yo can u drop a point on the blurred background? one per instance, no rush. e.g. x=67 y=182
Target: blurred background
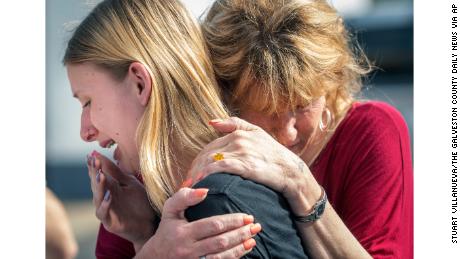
x=384 y=29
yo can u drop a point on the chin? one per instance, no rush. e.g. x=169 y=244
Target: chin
x=297 y=149
x=123 y=168
x=300 y=150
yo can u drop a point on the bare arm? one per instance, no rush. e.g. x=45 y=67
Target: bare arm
x=327 y=237
x=126 y=212
x=253 y=154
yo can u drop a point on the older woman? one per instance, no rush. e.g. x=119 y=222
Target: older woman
x=141 y=72
x=288 y=67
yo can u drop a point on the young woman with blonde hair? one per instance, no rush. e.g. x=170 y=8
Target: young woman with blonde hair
x=141 y=71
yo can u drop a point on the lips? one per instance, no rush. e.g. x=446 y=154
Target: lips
x=107 y=143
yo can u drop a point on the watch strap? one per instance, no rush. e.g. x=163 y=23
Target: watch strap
x=317 y=211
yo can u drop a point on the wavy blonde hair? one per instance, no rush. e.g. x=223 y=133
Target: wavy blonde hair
x=273 y=53
x=164 y=36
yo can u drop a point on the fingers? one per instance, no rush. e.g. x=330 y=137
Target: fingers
x=228 y=240
x=90 y=163
x=102 y=212
x=94 y=175
x=231 y=124
x=110 y=168
x=227 y=142
x=104 y=186
x=234 y=252
x=100 y=185
x=174 y=207
x=198 y=170
x=228 y=165
x=215 y=225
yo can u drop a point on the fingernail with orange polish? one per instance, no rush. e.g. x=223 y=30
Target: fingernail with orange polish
x=201 y=193
x=187 y=183
x=256 y=228
x=215 y=121
x=248 y=219
x=249 y=244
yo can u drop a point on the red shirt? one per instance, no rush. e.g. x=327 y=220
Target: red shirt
x=111 y=246
x=366 y=170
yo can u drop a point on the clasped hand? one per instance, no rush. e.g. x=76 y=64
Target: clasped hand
x=123 y=208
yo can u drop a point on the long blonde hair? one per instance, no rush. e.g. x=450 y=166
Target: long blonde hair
x=165 y=38
x=272 y=53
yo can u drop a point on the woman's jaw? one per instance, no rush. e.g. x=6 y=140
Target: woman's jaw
x=128 y=164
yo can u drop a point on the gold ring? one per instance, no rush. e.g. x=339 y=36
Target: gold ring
x=218 y=156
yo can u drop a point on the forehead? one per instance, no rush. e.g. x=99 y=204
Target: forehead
x=267 y=108
x=86 y=75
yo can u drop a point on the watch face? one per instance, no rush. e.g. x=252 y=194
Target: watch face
x=320 y=209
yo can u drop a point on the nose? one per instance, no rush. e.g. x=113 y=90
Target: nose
x=286 y=131
x=87 y=131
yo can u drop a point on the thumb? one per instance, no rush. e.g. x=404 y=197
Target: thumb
x=231 y=124
x=176 y=205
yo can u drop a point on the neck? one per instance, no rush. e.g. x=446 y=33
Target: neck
x=316 y=146
x=322 y=138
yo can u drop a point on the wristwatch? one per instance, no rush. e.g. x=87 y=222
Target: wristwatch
x=317 y=211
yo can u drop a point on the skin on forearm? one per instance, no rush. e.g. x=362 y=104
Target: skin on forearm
x=150 y=232
x=146 y=250
x=328 y=237
x=138 y=246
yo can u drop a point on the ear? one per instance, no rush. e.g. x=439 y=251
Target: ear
x=141 y=80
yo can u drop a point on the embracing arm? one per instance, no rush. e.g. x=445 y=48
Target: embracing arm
x=253 y=154
x=369 y=218
x=124 y=210
x=221 y=235
x=327 y=237
x=229 y=194
x=371 y=182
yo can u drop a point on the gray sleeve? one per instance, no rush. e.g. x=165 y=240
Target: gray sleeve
x=230 y=194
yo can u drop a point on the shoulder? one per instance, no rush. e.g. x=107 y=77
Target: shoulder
x=219 y=183
x=230 y=194
x=373 y=119
x=372 y=134
x=375 y=113
x=232 y=189
x=109 y=245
